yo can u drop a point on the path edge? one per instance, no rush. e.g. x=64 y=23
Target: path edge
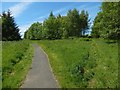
x=50 y=67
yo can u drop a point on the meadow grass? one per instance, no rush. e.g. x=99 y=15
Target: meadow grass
x=0 y=65
x=79 y=63
x=16 y=61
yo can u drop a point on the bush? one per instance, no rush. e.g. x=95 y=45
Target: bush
x=113 y=36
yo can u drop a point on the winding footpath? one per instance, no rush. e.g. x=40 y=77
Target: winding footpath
x=40 y=74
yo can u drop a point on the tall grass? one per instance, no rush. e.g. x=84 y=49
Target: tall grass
x=0 y=64
x=83 y=63
x=17 y=57
x=106 y=72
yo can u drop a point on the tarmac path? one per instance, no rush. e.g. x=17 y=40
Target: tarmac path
x=40 y=74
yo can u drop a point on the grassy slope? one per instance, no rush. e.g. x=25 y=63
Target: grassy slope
x=0 y=65
x=107 y=65
x=98 y=59
x=17 y=57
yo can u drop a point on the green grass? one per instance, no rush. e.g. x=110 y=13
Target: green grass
x=76 y=63
x=16 y=61
x=0 y=65
x=83 y=62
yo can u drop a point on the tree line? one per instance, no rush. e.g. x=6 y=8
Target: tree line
x=74 y=24
x=106 y=25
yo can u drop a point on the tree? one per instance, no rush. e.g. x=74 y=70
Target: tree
x=65 y=27
x=0 y=28
x=52 y=27
x=73 y=22
x=59 y=16
x=77 y=23
x=34 y=32
x=108 y=20
x=84 y=21
x=49 y=27
x=97 y=26
x=25 y=34
x=59 y=30
x=10 y=30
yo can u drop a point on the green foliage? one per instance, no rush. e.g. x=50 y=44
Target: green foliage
x=10 y=30
x=107 y=23
x=16 y=61
x=59 y=27
x=52 y=27
x=0 y=28
x=0 y=64
x=34 y=32
x=64 y=27
x=97 y=26
x=78 y=63
x=73 y=22
x=84 y=21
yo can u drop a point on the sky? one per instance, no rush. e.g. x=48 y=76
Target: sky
x=26 y=13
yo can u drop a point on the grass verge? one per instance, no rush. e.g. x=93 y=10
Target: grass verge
x=0 y=65
x=17 y=58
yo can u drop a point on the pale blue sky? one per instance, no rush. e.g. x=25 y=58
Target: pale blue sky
x=26 y=13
